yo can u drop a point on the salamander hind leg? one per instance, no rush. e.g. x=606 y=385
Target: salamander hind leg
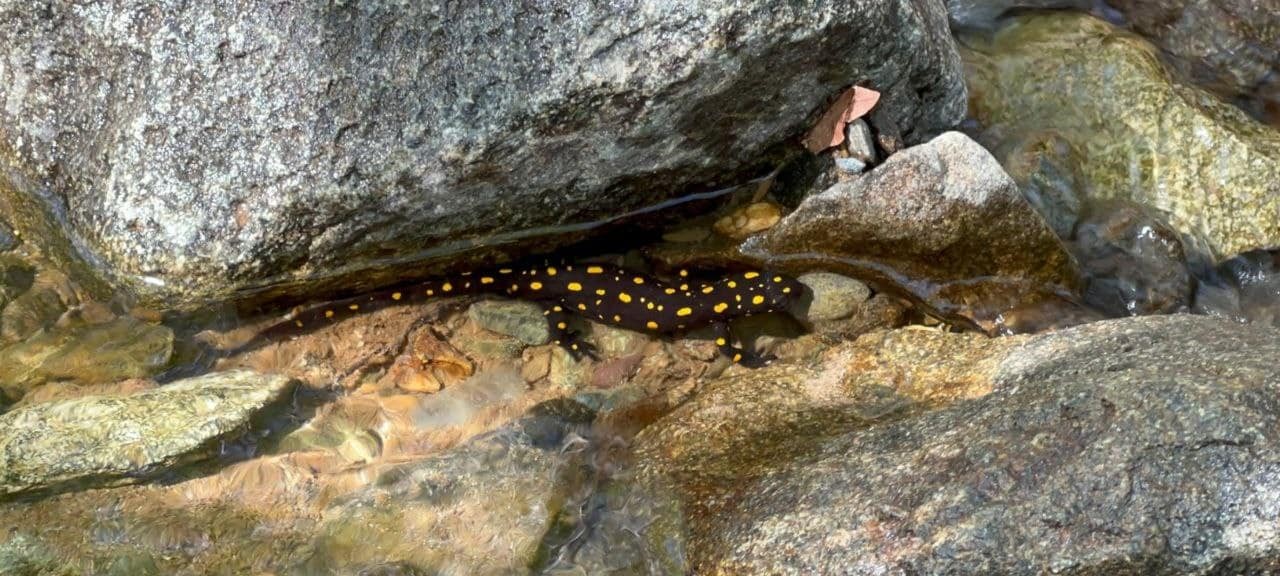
x=569 y=339
x=748 y=358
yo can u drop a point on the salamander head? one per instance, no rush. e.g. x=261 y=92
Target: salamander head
x=781 y=291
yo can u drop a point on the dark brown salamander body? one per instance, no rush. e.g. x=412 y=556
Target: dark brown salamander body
x=603 y=293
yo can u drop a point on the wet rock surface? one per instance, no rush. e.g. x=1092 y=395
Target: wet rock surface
x=1134 y=263
x=1244 y=288
x=1136 y=445
x=96 y=440
x=940 y=222
x=1231 y=46
x=1105 y=94
x=263 y=143
x=92 y=354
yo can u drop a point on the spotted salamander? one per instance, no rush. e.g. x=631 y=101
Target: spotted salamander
x=603 y=293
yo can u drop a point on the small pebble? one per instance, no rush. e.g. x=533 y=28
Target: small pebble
x=859 y=142
x=749 y=220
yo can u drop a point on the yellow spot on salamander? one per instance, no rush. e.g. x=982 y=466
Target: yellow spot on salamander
x=757 y=300
x=617 y=318
x=638 y=280
x=659 y=307
x=684 y=287
x=777 y=278
x=551 y=271
x=721 y=307
x=328 y=313
x=354 y=306
x=574 y=346
x=298 y=323
x=574 y=286
x=396 y=295
x=750 y=275
x=623 y=296
x=561 y=325
x=486 y=280
x=599 y=291
x=431 y=292
x=595 y=270
x=684 y=311
x=670 y=290
x=651 y=325
x=504 y=270
x=737 y=297
x=733 y=284
x=683 y=272
x=707 y=289
x=598 y=303
x=558 y=309
x=737 y=358
x=786 y=290
x=446 y=287
x=582 y=306
x=535 y=285
x=720 y=342
x=649 y=305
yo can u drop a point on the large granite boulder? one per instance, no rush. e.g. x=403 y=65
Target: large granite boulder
x=1144 y=445
x=201 y=151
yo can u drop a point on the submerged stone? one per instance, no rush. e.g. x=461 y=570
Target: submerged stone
x=93 y=354
x=98 y=440
x=1135 y=135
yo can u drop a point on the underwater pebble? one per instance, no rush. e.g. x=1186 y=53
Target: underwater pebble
x=834 y=296
x=116 y=439
x=749 y=220
x=521 y=320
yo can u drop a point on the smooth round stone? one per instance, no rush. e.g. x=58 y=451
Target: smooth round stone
x=834 y=296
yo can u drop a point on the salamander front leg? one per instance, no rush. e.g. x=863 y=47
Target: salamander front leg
x=748 y=358
x=570 y=340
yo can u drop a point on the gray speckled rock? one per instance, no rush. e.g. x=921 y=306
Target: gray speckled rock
x=1135 y=446
x=1134 y=134
x=201 y=150
x=109 y=439
x=940 y=222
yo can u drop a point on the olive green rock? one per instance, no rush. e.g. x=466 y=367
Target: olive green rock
x=97 y=440
x=521 y=320
x=1137 y=134
x=99 y=353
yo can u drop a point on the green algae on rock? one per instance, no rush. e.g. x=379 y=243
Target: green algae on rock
x=92 y=354
x=1137 y=135
x=97 y=440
